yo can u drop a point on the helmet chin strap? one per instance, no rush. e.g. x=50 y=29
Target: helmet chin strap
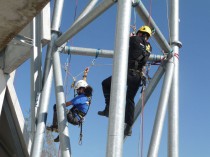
x=145 y=35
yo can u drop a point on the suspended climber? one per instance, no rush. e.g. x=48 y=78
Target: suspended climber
x=80 y=105
x=139 y=52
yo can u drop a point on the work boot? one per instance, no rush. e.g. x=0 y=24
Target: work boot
x=52 y=128
x=105 y=112
x=127 y=130
x=57 y=139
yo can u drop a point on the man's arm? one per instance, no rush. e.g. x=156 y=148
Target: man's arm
x=85 y=74
x=68 y=103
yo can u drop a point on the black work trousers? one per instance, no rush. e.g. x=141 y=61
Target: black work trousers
x=133 y=84
x=70 y=117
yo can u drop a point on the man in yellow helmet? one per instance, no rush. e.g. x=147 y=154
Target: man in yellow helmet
x=139 y=52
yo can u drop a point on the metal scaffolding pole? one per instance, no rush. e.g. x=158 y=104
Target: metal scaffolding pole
x=119 y=79
x=173 y=114
x=33 y=77
x=84 y=21
x=144 y=14
x=102 y=53
x=47 y=82
x=161 y=111
x=61 y=107
x=36 y=73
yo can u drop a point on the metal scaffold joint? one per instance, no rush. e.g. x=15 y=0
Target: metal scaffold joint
x=177 y=43
x=134 y=4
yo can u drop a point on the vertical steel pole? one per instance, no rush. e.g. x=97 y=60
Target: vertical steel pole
x=33 y=77
x=39 y=30
x=36 y=73
x=119 y=79
x=161 y=111
x=47 y=83
x=61 y=107
x=173 y=122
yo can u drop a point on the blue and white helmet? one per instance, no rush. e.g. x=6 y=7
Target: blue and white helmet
x=80 y=83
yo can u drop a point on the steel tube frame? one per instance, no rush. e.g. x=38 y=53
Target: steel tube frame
x=61 y=107
x=102 y=53
x=144 y=14
x=119 y=81
x=36 y=73
x=47 y=83
x=173 y=114
x=33 y=77
x=84 y=21
x=161 y=111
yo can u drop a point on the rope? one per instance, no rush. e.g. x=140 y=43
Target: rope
x=81 y=135
x=150 y=12
x=67 y=64
x=141 y=136
x=67 y=71
x=134 y=19
x=102 y=64
x=92 y=64
x=75 y=10
x=142 y=125
x=142 y=131
x=167 y=13
x=176 y=55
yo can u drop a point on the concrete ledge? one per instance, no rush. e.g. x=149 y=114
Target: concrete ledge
x=15 y=15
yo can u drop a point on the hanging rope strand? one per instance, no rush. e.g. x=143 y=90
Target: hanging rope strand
x=66 y=82
x=150 y=12
x=141 y=134
x=142 y=125
x=167 y=13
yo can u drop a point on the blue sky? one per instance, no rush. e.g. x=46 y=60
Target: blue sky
x=194 y=120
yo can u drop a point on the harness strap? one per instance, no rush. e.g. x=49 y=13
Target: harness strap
x=80 y=135
x=82 y=115
x=136 y=71
x=136 y=61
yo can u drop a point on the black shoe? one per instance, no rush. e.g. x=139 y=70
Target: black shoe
x=103 y=113
x=57 y=139
x=128 y=130
x=53 y=128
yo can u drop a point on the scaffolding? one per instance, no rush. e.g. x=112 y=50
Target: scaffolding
x=170 y=67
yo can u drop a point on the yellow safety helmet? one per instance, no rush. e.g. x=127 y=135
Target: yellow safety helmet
x=145 y=29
